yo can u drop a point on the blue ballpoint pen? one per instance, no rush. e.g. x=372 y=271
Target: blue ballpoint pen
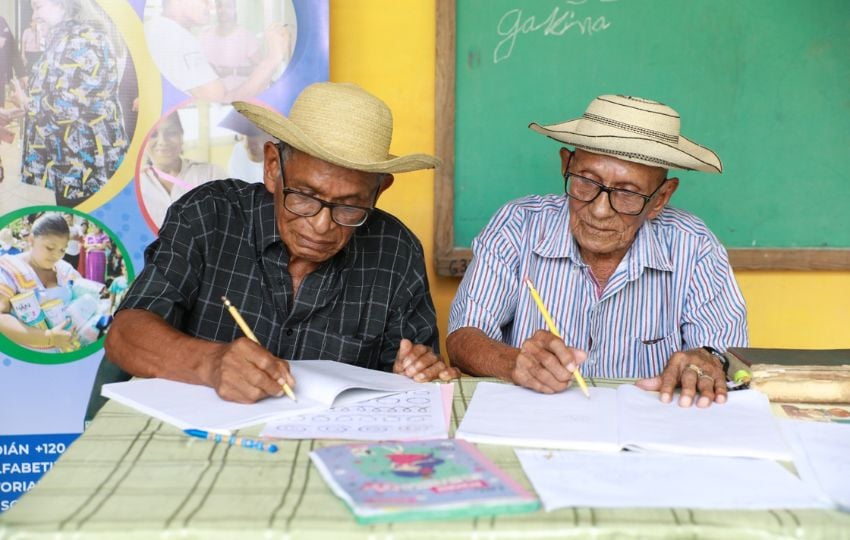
x=232 y=440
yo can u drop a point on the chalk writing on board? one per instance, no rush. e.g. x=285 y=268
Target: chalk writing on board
x=559 y=22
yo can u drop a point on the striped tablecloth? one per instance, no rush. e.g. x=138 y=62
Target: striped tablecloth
x=132 y=477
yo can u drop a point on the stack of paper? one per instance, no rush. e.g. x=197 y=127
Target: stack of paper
x=643 y=480
x=625 y=417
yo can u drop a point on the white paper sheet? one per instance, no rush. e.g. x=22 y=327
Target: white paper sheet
x=515 y=416
x=641 y=480
x=319 y=384
x=822 y=456
x=412 y=415
x=744 y=426
x=626 y=417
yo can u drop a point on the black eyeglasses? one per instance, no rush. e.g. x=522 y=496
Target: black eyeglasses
x=622 y=201
x=305 y=205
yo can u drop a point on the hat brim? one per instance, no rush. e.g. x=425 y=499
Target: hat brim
x=686 y=154
x=287 y=131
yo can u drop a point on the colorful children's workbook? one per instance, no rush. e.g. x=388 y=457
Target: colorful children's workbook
x=403 y=481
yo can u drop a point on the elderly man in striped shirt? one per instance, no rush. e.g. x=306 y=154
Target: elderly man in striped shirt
x=637 y=289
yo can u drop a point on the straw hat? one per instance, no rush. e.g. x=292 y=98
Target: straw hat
x=340 y=123
x=633 y=129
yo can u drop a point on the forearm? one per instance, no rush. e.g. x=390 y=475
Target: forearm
x=473 y=352
x=23 y=334
x=256 y=82
x=144 y=344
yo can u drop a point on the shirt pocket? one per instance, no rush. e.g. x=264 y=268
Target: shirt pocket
x=653 y=352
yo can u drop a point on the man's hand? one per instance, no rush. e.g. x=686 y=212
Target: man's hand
x=694 y=370
x=246 y=372
x=419 y=363
x=545 y=363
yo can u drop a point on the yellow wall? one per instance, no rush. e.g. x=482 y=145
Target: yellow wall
x=388 y=47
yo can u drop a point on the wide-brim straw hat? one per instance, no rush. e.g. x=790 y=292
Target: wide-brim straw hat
x=340 y=123
x=633 y=129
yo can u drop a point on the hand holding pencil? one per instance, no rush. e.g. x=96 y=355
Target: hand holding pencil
x=562 y=353
x=254 y=366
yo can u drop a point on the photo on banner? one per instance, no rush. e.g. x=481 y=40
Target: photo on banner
x=89 y=92
x=193 y=144
x=62 y=275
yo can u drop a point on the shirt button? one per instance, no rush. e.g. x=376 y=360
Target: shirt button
x=289 y=332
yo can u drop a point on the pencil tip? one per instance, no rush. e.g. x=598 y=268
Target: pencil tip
x=226 y=301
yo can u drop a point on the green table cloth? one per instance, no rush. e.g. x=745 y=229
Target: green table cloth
x=130 y=476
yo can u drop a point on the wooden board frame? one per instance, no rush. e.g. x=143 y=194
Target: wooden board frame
x=452 y=260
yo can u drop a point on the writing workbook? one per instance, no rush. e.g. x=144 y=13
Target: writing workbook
x=619 y=418
x=404 y=481
x=319 y=385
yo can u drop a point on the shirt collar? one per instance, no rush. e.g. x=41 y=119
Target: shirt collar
x=265 y=229
x=556 y=242
x=646 y=251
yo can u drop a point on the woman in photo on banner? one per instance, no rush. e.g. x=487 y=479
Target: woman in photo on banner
x=38 y=276
x=166 y=175
x=74 y=138
x=45 y=304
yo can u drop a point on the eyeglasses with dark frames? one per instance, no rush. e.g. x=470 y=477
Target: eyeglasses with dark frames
x=622 y=201
x=304 y=205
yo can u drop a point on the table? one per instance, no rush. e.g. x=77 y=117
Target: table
x=130 y=476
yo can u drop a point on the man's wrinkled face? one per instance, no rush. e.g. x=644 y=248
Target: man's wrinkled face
x=596 y=226
x=317 y=238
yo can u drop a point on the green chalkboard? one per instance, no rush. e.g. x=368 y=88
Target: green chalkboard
x=765 y=83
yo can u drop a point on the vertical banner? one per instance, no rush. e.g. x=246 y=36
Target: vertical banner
x=109 y=111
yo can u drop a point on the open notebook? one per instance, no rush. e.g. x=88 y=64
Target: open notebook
x=319 y=384
x=622 y=418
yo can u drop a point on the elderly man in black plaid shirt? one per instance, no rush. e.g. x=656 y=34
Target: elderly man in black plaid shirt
x=315 y=269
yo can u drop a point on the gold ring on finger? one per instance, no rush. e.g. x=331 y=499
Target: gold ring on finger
x=698 y=370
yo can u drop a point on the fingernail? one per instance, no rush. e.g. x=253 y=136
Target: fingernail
x=571 y=367
x=665 y=397
x=420 y=376
x=703 y=402
x=721 y=398
x=281 y=381
x=279 y=393
x=685 y=401
x=410 y=372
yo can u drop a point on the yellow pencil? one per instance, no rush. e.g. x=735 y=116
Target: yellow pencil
x=551 y=324
x=250 y=335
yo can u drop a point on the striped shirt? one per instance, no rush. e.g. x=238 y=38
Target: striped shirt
x=674 y=290
x=222 y=239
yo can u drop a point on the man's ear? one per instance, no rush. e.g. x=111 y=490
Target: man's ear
x=658 y=204
x=566 y=156
x=271 y=166
x=386 y=182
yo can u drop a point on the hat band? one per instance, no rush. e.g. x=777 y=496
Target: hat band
x=631 y=156
x=632 y=128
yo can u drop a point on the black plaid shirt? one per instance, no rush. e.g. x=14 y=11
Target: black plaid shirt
x=222 y=239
